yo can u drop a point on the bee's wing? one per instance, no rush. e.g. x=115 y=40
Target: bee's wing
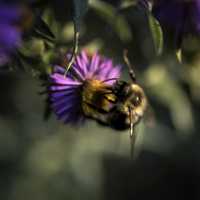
x=132 y=133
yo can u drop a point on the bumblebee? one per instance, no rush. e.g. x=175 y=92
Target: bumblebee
x=120 y=106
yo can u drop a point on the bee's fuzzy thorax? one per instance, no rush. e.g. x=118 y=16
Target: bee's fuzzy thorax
x=97 y=97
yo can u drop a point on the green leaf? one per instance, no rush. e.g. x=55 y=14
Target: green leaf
x=108 y=13
x=80 y=9
x=42 y=30
x=157 y=34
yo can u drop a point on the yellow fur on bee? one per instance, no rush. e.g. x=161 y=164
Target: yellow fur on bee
x=96 y=95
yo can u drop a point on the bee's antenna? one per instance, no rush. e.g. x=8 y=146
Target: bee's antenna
x=75 y=50
x=110 y=79
x=126 y=60
x=131 y=134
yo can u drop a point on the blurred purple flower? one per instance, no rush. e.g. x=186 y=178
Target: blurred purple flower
x=10 y=35
x=181 y=16
x=65 y=92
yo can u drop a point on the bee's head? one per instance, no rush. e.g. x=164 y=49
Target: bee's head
x=133 y=103
x=136 y=100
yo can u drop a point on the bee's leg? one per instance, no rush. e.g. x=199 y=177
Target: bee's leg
x=131 y=121
x=75 y=50
x=130 y=67
x=132 y=135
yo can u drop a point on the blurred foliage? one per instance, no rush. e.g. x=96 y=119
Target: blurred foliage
x=48 y=160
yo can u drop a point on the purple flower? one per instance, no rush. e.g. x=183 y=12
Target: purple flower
x=180 y=16
x=65 y=92
x=195 y=11
x=10 y=35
